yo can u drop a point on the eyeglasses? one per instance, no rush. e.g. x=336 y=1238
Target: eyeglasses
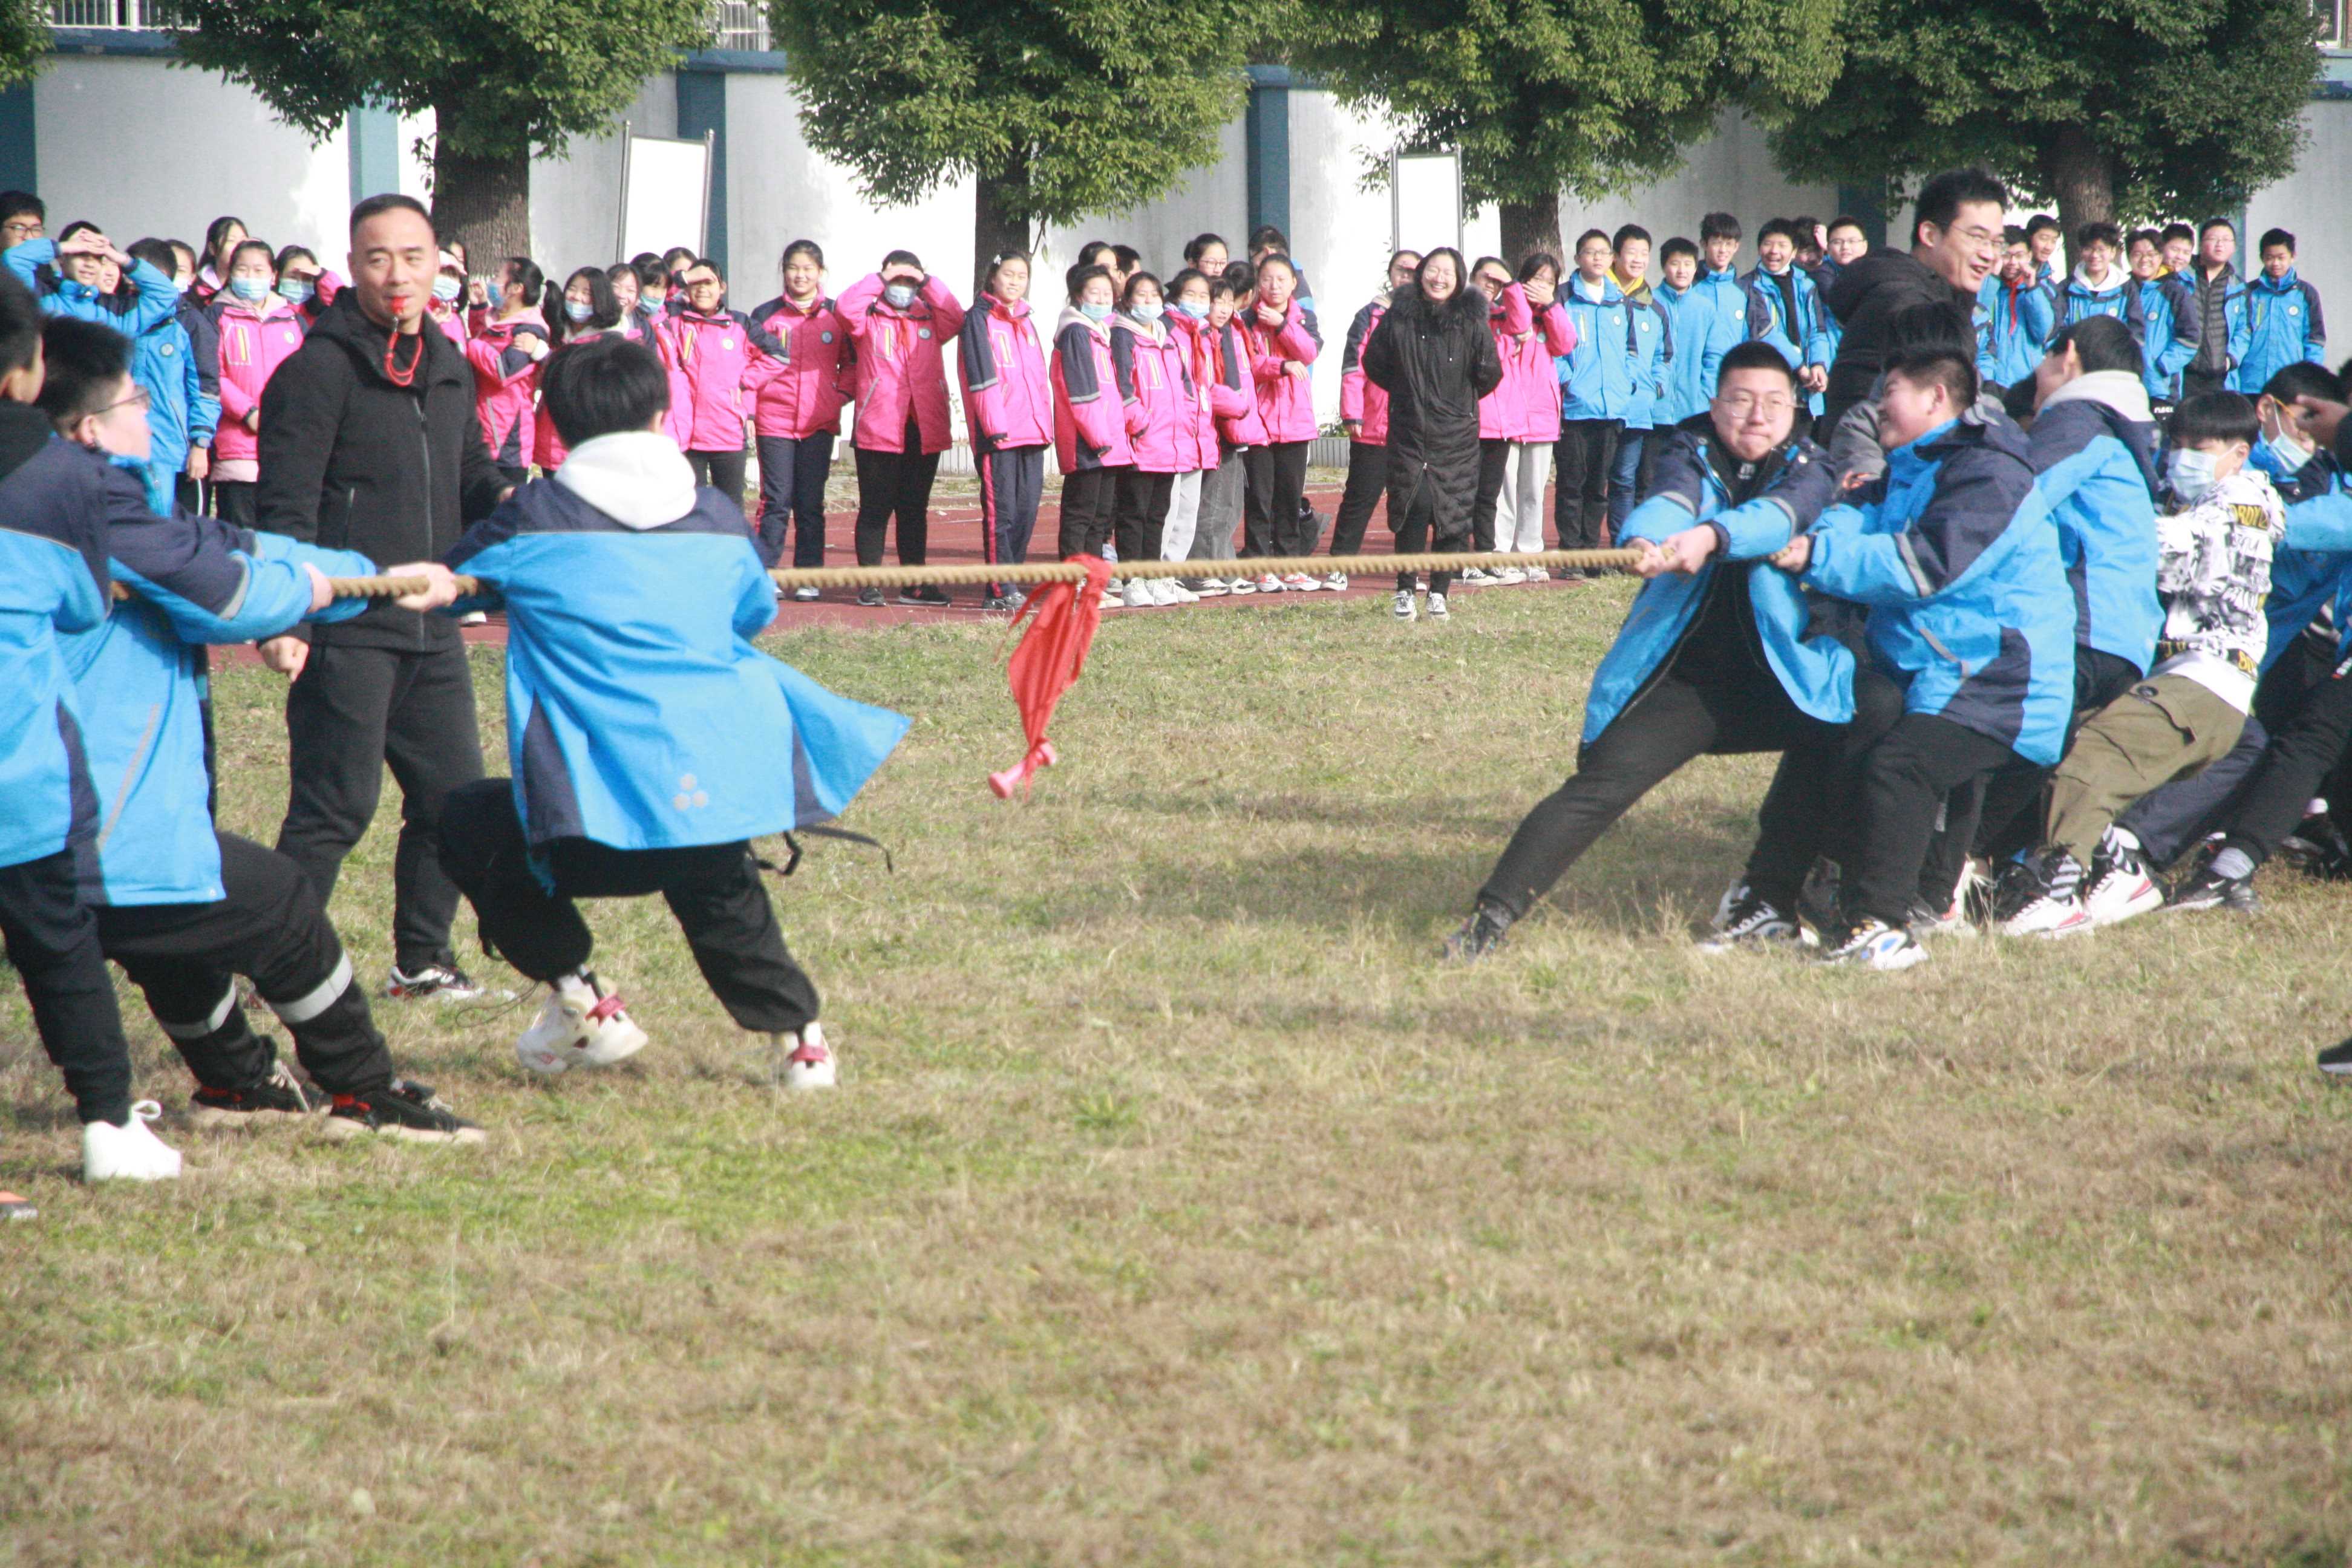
x=1983 y=238
x=1744 y=404
x=137 y=399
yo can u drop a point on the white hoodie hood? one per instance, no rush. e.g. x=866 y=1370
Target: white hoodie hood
x=637 y=478
x=2118 y=389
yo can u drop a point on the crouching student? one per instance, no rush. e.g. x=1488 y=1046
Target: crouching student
x=2214 y=571
x=650 y=741
x=182 y=907
x=1714 y=659
x=1952 y=550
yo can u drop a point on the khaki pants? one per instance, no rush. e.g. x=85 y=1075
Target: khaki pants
x=2160 y=730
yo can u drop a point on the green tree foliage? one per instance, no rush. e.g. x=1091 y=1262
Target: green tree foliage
x=24 y=40
x=503 y=78
x=2112 y=109
x=1594 y=96
x=1056 y=108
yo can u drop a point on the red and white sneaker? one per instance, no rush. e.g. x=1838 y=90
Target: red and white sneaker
x=581 y=1025
x=810 y=1066
x=1300 y=583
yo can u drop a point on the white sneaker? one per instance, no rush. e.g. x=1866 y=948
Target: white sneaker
x=1404 y=610
x=1300 y=583
x=1475 y=577
x=1510 y=574
x=1237 y=586
x=1438 y=611
x=129 y=1153
x=1177 y=593
x=811 y=1064
x=1213 y=588
x=2124 y=891
x=1337 y=582
x=1112 y=599
x=1537 y=574
x=1270 y=583
x=1138 y=594
x=580 y=1025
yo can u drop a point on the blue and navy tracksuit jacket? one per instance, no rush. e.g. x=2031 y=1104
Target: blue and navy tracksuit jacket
x=2077 y=301
x=1652 y=343
x=1692 y=482
x=2170 y=309
x=1953 y=549
x=1596 y=377
x=2013 y=328
x=1689 y=322
x=2283 y=325
x=2094 y=454
x=158 y=300
x=1799 y=333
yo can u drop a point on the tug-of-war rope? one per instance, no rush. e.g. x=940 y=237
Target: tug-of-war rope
x=1064 y=617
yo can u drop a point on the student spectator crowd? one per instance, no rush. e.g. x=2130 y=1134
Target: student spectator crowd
x=2037 y=582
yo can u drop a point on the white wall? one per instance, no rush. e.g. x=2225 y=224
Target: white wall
x=1732 y=174
x=2310 y=204
x=575 y=199
x=1215 y=200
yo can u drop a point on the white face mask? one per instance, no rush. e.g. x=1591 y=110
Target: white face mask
x=2288 y=454
x=2193 y=475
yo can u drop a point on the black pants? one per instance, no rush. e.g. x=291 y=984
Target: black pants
x=519 y=473
x=1139 y=512
x=52 y=941
x=238 y=501
x=1011 y=487
x=1270 y=519
x=722 y=471
x=1672 y=722
x=270 y=929
x=354 y=710
x=1906 y=778
x=713 y=891
x=1089 y=500
x=193 y=495
x=2305 y=747
x=1580 y=500
x=1413 y=510
x=899 y=484
x=1368 y=475
x=1493 y=457
x=1998 y=817
x=791 y=492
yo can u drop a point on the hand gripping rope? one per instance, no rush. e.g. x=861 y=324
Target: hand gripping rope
x=1064 y=617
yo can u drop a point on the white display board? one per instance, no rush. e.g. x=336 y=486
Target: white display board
x=665 y=193
x=1424 y=200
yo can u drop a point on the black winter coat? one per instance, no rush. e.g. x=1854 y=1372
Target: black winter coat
x=350 y=460
x=1864 y=298
x=1435 y=362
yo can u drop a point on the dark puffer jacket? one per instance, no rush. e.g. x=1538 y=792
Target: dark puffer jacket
x=1436 y=361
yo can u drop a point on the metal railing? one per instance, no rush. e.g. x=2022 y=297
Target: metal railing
x=739 y=25
x=123 y=15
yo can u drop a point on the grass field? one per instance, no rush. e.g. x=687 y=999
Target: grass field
x=1176 y=1208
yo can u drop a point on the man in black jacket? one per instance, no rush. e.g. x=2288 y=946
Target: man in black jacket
x=368 y=442
x=1956 y=239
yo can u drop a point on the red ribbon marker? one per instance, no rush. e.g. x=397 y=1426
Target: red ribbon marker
x=1063 y=618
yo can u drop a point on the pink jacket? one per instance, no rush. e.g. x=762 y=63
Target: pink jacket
x=254 y=341
x=714 y=356
x=1361 y=400
x=1210 y=396
x=506 y=386
x=1284 y=401
x=547 y=448
x=1008 y=401
x=900 y=368
x=799 y=391
x=1089 y=424
x=1155 y=387
x=1501 y=412
x=1529 y=375
x=1246 y=426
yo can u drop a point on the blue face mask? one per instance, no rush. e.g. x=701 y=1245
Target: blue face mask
x=2284 y=456
x=900 y=295
x=295 y=291
x=1094 y=313
x=1198 y=312
x=252 y=290
x=445 y=289
x=1149 y=312
x=579 y=309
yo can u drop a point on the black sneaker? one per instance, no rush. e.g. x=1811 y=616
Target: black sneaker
x=2209 y=890
x=1746 y=918
x=400 y=1109
x=1479 y=935
x=441 y=982
x=1000 y=604
x=870 y=598
x=2336 y=1060
x=274 y=1100
x=924 y=594
x=2317 y=848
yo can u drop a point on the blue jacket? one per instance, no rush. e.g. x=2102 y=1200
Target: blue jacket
x=1802 y=338
x=181 y=412
x=2013 y=328
x=1817 y=672
x=1689 y=325
x=1653 y=345
x=2283 y=325
x=2078 y=300
x=1596 y=377
x=53 y=582
x=158 y=300
x=1825 y=277
x=140 y=681
x=2094 y=456
x=2173 y=332
x=1953 y=551
x=1723 y=304
x=638 y=713
x=2311 y=568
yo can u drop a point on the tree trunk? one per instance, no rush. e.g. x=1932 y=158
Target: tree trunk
x=1530 y=227
x=2082 y=177
x=1000 y=217
x=482 y=202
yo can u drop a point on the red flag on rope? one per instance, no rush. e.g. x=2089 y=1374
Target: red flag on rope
x=1062 y=620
